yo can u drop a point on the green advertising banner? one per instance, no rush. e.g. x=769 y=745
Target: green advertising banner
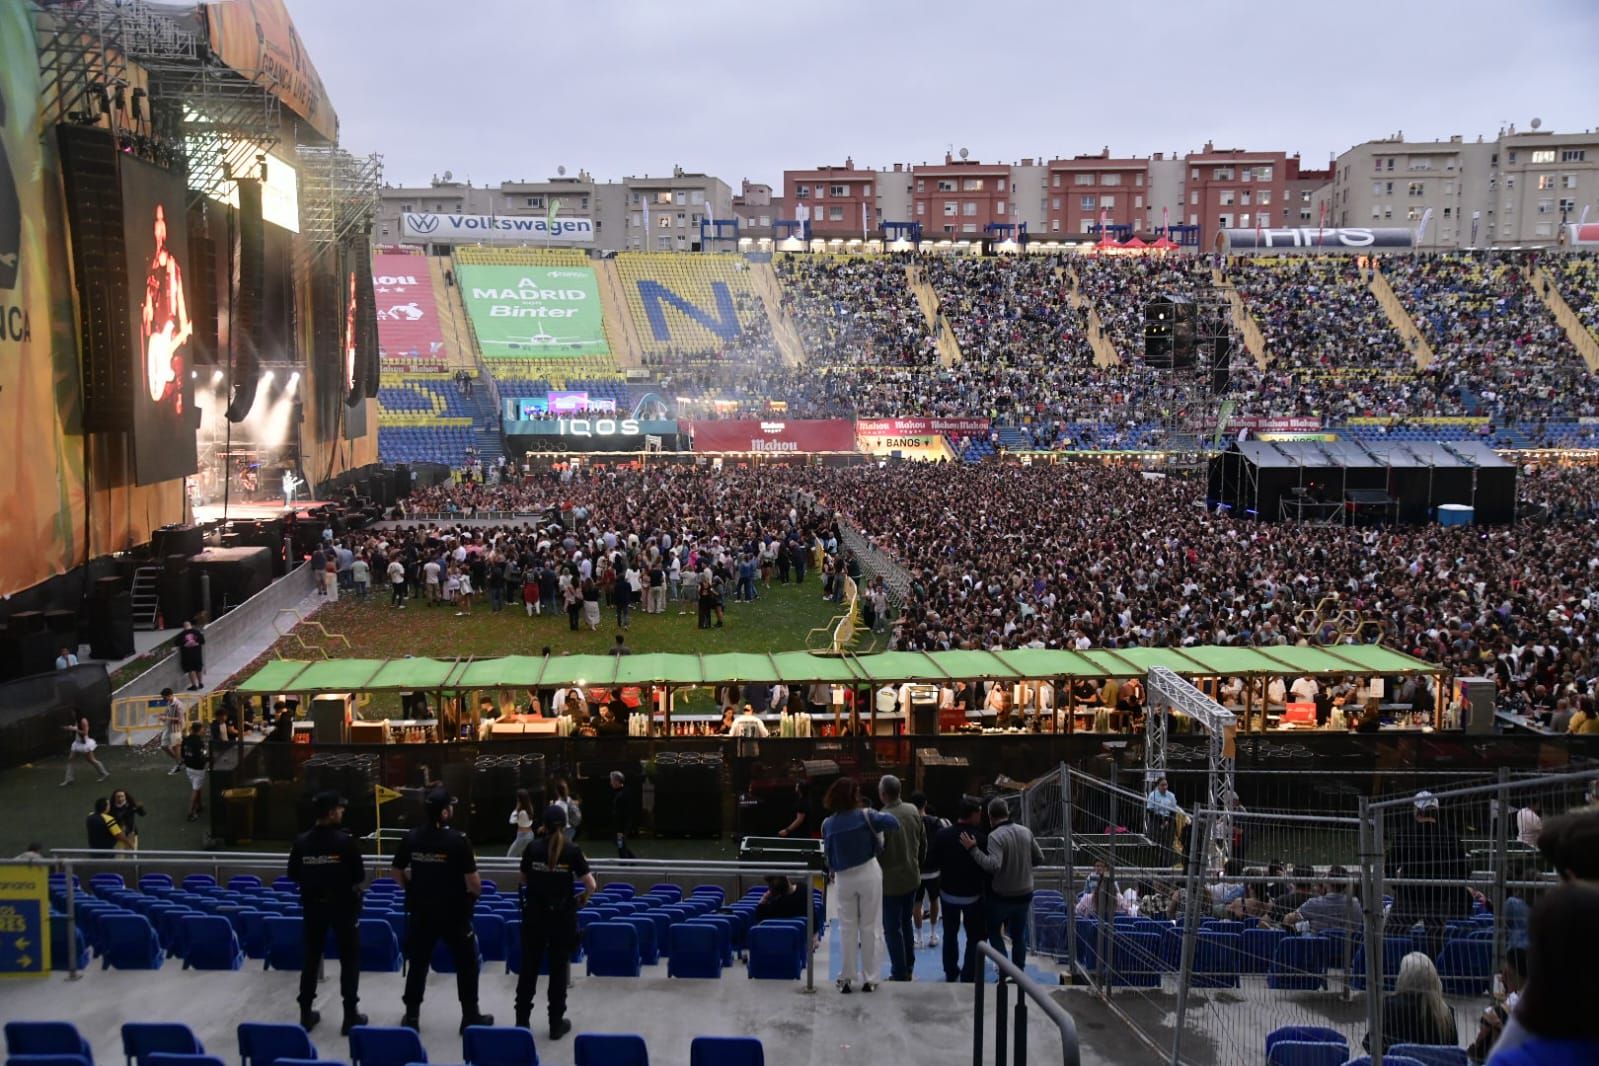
x=533 y=312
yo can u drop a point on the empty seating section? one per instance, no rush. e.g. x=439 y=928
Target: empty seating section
x=424 y=418
x=1498 y=350
x=855 y=310
x=485 y=255
x=1334 y=352
x=718 y=286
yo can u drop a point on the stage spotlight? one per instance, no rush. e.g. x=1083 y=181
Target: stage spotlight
x=193 y=374
x=216 y=377
x=267 y=377
x=294 y=379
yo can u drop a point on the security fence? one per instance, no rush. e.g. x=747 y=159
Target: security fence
x=1205 y=962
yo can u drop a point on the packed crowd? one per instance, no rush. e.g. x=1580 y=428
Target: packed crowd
x=1497 y=350
x=855 y=311
x=1119 y=288
x=1577 y=279
x=1333 y=352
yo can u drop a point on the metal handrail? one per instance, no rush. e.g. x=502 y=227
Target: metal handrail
x=1027 y=989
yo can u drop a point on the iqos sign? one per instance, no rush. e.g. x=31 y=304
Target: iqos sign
x=600 y=427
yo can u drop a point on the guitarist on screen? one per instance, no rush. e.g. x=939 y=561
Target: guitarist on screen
x=166 y=325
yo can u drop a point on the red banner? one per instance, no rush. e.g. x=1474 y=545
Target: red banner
x=408 y=318
x=916 y=427
x=774 y=435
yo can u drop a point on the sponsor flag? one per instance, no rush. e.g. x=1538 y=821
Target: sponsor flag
x=644 y=201
x=863 y=220
x=1584 y=217
x=1104 y=224
x=1321 y=221
x=1476 y=217
x=549 y=216
x=1165 y=222
x=1421 y=230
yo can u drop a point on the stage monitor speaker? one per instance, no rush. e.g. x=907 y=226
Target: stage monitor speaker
x=1221 y=373
x=111 y=628
x=93 y=184
x=32 y=653
x=108 y=586
x=176 y=591
x=402 y=481
x=63 y=626
x=24 y=622
x=184 y=540
x=244 y=331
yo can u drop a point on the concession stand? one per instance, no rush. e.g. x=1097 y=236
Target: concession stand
x=952 y=723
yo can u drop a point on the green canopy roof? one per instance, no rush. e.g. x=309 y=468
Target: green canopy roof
x=798 y=667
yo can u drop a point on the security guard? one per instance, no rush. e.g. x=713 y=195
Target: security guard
x=549 y=916
x=326 y=863
x=436 y=865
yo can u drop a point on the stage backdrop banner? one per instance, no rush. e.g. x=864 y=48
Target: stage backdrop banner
x=408 y=316
x=1311 y=239
x=257 y=38
x=494 y=229
x=921 y=427
x=533 y=312
x=772 y=435
x=42 y=481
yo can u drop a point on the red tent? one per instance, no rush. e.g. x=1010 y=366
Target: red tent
x=1165 y=245
x=1134 y=242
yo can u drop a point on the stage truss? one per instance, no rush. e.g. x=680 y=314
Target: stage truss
x=1165 y=692
x=338 y=195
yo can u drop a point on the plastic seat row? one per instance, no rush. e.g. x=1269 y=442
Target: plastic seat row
x=50 y=1043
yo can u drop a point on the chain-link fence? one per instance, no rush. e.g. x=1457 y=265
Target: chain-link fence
x=1209 y=963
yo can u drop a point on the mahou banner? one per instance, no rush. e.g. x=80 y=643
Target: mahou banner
x=919 y=427
x=408 y=316
x=774 y=435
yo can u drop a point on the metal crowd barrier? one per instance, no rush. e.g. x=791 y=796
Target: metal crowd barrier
x=1026 y=989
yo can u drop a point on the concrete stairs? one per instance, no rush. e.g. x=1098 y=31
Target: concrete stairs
x=1243 y=321
x=949 y=349
x=621 y=333
x=488 y=439
x=1394 y=308
x=1582 y=337
x=784 y=332
x=453 y=325
x=1105 y=354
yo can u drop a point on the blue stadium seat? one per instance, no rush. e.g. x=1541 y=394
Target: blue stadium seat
x=1466 y=966
x=154 y=883
x=670 y=891
x=649 y=947
x=513 y=946
x=1394 y=948
x=1388 y=1059
x=609 y=1049
x=1429 y=1054
x=1260 y=948
x=130 y=943
x=1300 y=962
x=210 y=943
x=726 y=1051
x=776 y=952
x=1216 y=957
x=695 y=951
x=284 y=947
x=711 y=892
x=265 y=1043
x=142 y=1039
x=46 y=1038
x=380 y=949
x=613 y=949
x=1319 y=1034
x=382 y=1045
x=490 y=929
x=724 y=933
x=498 y=1045
x=167 y=1058
x=47 y=1060
x=1308 y=1053
x=444 y=962
x=60 y=954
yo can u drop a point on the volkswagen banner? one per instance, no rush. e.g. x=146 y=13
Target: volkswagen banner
x=774 y=436
x=432 y=228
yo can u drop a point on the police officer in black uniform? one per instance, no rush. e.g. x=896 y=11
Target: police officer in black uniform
x=436 y=865
x=549 y=916
x=326 y=863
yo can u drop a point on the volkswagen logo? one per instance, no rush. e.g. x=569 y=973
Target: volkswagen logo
x=424 y=223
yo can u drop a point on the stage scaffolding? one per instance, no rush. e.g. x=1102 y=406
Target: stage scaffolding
x=338 y=195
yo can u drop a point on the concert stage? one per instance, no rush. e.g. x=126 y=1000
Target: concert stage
x=255 y=510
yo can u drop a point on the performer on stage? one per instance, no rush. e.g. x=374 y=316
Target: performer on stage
x=166 y=325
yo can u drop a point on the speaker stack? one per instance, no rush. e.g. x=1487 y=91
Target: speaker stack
x=177 y=595
x=99 y=247
x=402 y=481
x=691 y=784
x=185 y=540
x=30 y=648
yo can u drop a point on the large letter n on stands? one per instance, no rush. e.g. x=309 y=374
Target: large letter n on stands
x=724 y=323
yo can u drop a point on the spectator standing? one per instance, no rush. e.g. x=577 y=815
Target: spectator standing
x=195 y=763
x=127 y=811
x=852 y=841
x=396 y=572
x=191 y=655
x=102 y=829
x=326 y=863
x=927 y=890
x=1554 y=1022
x=1529 y=823
x=551 y=868
x=903 y=853
x=962 y=884
x=1009 y=857
x=622 y=813
x=1428 y=850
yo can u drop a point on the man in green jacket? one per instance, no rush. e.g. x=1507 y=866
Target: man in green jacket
x=902 y=857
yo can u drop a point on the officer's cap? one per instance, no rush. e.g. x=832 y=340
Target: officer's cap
x=325 y=802
x=555 y=816
x=438 y=800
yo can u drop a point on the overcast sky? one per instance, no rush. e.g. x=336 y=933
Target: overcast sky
x=511 y=89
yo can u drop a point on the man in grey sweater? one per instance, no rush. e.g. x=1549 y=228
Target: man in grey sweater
x=901 y=861
x=1010 y=857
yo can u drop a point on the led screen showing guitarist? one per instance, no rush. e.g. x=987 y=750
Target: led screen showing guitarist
x=165 y=319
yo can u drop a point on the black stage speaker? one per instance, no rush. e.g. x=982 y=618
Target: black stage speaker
x=402 y=481
x=177 y=597
x=327 y=361
x=202 y=287
x=184 y=540
x=99 y=246
x=367 y=364
x=63 y=627
x=111 y=627
x=244 y=330
x=1221 y=372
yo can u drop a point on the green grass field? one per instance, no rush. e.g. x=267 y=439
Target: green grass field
x=38 y=809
